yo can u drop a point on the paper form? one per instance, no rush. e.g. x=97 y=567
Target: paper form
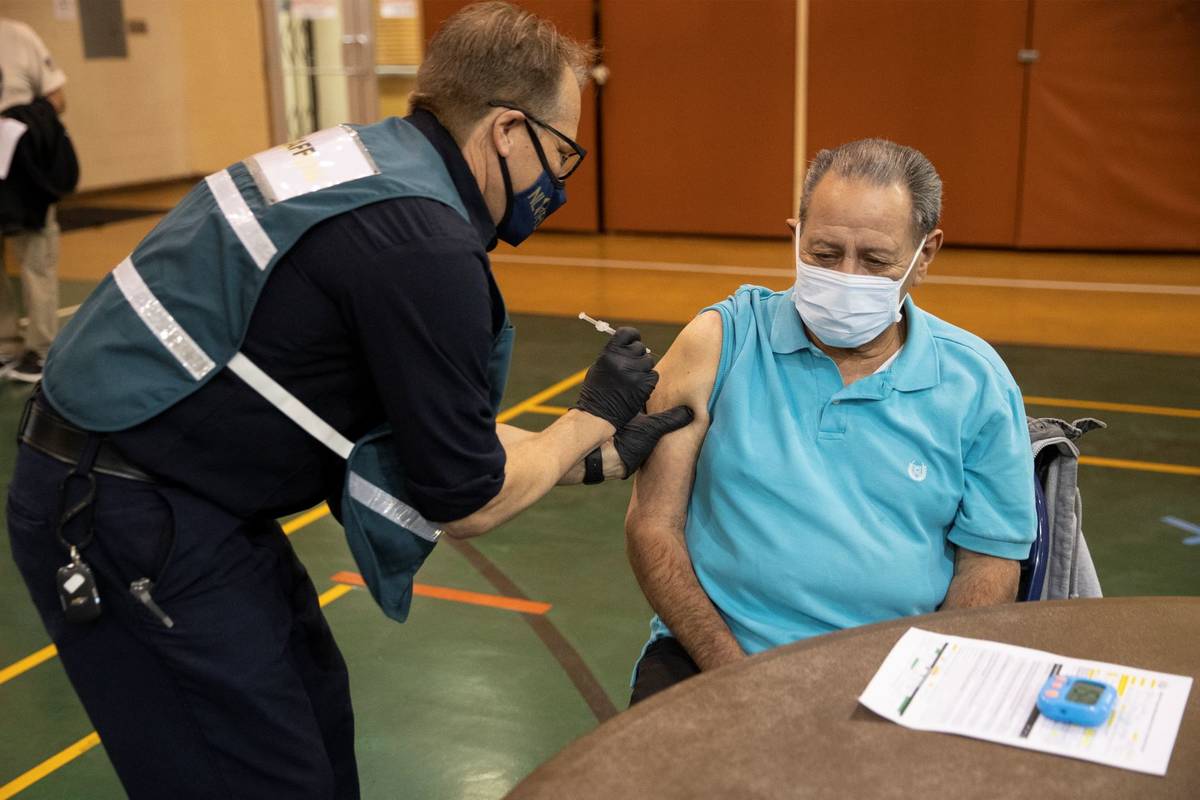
x=988 y=690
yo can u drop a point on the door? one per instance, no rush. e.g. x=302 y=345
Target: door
x=942 y=76
x=320 y=63
x=1113 y=147
x=699 y=115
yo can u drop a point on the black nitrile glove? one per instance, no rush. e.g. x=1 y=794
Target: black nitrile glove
x=637 y=439
x=619 y=383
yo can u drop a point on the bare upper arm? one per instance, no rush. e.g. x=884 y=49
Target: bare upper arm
x=686 y=376
x=966 y=560
x=981 y=580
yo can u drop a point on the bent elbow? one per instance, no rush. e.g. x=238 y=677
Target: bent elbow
x=468 y=527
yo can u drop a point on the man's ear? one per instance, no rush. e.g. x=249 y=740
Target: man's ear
x=933 y=243
x=502 y=130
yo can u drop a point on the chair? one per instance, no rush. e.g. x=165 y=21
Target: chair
x=1059 y=565
x=1033 y=568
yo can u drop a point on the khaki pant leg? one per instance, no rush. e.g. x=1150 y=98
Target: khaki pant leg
x=37 y=252
x=10 y=335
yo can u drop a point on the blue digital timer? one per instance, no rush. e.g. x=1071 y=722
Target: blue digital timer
x=1077 y=701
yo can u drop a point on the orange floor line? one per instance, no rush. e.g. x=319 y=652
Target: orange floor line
x=459 y=595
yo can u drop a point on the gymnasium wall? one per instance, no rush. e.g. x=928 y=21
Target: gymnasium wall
x=698 y=116
x=189 y=98
x=1090 y=139
x=1054 y=123
x=1112 y=153
x=660 y=133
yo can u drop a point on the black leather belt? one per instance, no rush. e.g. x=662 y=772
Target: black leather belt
x=48 y=433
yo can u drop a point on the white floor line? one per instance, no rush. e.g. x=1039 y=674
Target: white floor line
x=958 y=280
x=724 y=269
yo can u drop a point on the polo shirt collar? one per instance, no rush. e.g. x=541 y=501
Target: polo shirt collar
x=787 y=331
x=914 y=369
x=917 y=367
x=460 y=173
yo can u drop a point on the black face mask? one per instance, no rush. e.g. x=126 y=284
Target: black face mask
x=524 y=212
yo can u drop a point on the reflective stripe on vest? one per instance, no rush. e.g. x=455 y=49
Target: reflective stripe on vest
x=177 y=341
x=160 y=322
x=361 y=489
x=290 y=405
x=392 y=508
x=239 y=216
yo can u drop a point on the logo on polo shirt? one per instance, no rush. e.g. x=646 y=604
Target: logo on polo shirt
x=917 y=471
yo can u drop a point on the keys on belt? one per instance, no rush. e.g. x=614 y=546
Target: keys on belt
x=85 y=453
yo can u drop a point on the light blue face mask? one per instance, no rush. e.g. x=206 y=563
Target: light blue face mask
x=526 y=210
x=845 y=310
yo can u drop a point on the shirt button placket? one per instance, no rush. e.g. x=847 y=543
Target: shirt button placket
x=833 y=419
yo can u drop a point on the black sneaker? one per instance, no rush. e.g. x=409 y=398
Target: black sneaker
x=28 y=369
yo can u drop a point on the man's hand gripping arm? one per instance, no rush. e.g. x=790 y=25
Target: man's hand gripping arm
x=654 y=525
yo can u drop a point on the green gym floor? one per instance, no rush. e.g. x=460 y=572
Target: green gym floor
x=470 y=695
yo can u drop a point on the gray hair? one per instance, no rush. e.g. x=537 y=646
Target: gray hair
x=882 y=163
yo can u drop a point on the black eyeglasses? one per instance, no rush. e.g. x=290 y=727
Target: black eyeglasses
x=570 y=161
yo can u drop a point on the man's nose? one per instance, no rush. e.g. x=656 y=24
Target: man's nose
x=850 y=266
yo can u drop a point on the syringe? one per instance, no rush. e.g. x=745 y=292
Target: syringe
x=600 y=325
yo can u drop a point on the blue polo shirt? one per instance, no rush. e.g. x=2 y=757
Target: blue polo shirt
x=818 y=506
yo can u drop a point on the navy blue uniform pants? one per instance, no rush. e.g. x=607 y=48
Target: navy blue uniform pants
x=246 y=696
x=664 y=664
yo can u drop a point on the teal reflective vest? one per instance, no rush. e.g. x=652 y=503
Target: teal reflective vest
x=175 y=312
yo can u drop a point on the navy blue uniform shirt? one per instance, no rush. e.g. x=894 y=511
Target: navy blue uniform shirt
x=385 y=313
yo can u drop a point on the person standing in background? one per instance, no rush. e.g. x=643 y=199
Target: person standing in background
x=28 y=74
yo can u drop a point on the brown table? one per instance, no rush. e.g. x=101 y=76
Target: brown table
x=787 y=724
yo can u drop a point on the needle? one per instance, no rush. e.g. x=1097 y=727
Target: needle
x=600 y=325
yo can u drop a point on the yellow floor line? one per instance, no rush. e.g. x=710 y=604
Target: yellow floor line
x=27 y=663
x=73 y=752
x=1140 y=466
x=1131 y=408
x=329 y=595
x=546 y=394
x=554 y=411
x=1095 y=461
x=51 y=764
x=307 y=518
x=1032 y=400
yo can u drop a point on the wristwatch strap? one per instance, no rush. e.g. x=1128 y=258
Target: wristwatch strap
x=593 y=467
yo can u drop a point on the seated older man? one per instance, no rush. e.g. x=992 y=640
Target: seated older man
x=853 y=458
